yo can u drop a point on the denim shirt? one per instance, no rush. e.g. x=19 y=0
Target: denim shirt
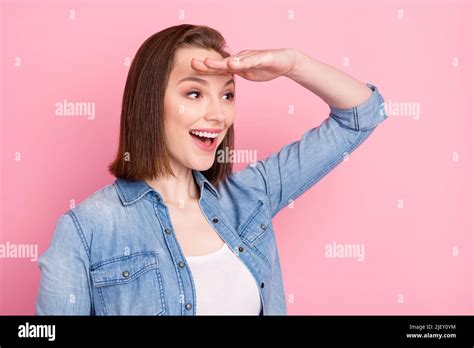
x=116 y=252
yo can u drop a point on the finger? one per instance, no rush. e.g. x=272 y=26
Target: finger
x=231 y=62
x=244 y=54
x=255 y=59
x=247 y=53
x=198 y=65
x=215 y=63
x=235 y=63
x=201 y=67
x=242 y=62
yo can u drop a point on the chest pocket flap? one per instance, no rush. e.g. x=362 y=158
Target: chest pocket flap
x=255 y=225
x=123 y=269
x=129 y=285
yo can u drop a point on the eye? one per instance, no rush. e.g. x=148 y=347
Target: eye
x=193 y=92
x=232 y=96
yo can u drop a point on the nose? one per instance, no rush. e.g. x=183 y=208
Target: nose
x=215 y=110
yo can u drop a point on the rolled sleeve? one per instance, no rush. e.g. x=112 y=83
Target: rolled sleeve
x=364 y=116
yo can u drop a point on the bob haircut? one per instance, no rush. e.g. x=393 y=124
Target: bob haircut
x=142 y=152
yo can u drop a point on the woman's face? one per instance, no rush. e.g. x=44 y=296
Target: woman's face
x=196 y=103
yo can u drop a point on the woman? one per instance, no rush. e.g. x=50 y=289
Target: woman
x=179 y=233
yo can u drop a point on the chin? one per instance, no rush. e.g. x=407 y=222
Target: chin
x=202 y=165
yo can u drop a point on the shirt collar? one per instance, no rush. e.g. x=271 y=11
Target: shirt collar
x=131 y=191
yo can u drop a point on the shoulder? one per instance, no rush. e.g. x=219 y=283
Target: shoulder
x=103 y=201
x=249 y=179
x=95 y=211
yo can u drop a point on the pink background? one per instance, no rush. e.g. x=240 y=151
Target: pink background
x=408 y=251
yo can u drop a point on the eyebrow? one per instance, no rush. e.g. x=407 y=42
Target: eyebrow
x=202 y=81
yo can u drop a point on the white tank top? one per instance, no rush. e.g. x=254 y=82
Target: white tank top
x=224 y=285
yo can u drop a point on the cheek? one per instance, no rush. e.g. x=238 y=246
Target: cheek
x=230 y=117
x=182 y=112
x=173 y=128
x=176 y=115
x=180 y=104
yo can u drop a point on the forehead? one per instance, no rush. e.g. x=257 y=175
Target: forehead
x=182 y=65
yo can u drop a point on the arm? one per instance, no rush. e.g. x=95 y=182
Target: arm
x=355 y=111
x=64 y=285
x=334 y=86
x=289 y=172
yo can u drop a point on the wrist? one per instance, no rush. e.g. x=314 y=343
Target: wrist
x=297 y=58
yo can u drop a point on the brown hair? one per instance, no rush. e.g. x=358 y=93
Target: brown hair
x=142 y=152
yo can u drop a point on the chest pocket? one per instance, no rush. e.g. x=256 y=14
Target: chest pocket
x=256 y=225
x=129 y=285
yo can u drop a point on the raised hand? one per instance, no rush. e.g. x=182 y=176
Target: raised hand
x=254 y=65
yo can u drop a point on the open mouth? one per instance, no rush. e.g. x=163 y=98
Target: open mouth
x=207 y=139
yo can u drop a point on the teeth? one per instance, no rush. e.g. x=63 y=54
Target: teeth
x=205 y=134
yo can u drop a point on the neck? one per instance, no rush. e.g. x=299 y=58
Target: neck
x=178 y=189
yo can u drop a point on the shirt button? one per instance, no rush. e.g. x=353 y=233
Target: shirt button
x=241 y=249
x=263 y=226
x=167 y=230
x=125 y=274
x=262 y=285
x=189 y=306
x=181 y=264
x=215 y=220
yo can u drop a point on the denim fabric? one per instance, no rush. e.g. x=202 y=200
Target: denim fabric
x=116 y=252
